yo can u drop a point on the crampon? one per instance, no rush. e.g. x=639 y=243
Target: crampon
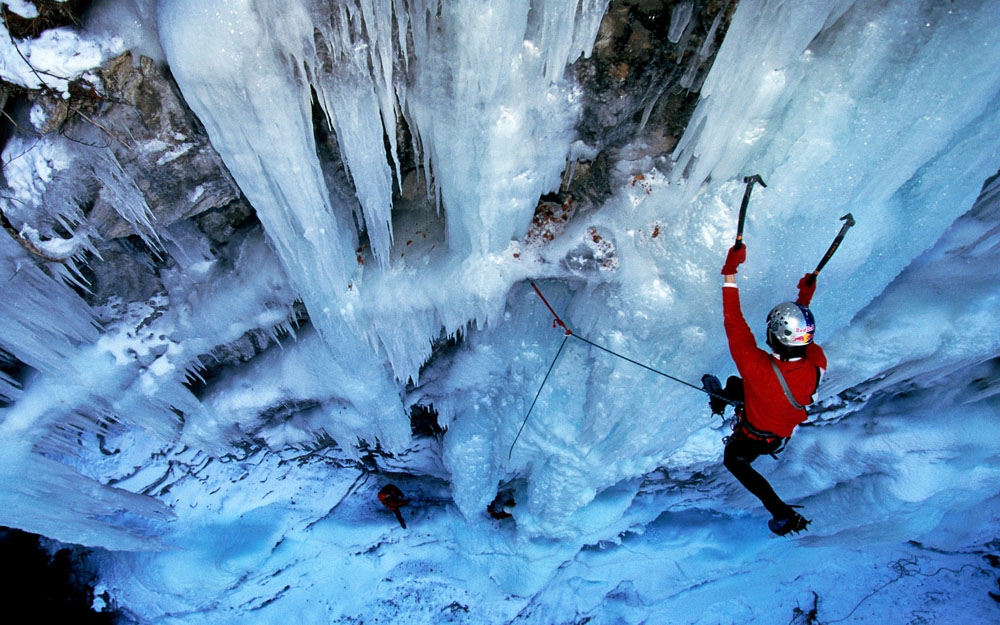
x=793 y=523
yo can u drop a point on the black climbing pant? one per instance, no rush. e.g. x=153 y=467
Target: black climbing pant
x=741 y=451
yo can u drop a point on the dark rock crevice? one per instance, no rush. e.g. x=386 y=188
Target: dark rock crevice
x=640 y=87
x=51 y=581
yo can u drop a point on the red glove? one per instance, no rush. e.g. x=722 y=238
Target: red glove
x=736 y=257
x=807 y=287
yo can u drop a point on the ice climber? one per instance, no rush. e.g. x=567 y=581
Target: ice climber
x=393 y=499
x=774 y=386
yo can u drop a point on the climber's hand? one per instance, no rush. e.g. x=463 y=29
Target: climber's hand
x=737 y=256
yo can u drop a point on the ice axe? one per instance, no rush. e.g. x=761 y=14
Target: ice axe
x=848 y=220
x=749 y=180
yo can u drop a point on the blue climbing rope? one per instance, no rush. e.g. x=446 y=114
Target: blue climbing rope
x=558 y=322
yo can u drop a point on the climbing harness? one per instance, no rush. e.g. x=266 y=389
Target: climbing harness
x=558 y=323
x=741 y=427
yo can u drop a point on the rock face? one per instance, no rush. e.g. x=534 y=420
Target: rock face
x=641 y=83
x=147 y=152
x=160 y=146
x=648 y=64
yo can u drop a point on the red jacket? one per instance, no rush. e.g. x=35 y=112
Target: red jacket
x=767 y=407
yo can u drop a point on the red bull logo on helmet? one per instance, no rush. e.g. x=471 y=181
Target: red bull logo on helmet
x=803 y=335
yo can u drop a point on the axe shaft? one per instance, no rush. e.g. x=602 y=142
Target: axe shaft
x=833 y=246
x=749 y=180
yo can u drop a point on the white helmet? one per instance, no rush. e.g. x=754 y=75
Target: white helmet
x=791 y=324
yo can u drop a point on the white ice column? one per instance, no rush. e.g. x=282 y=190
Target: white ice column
x=244 y=75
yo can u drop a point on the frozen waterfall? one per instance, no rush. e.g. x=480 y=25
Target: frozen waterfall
x=219 y=437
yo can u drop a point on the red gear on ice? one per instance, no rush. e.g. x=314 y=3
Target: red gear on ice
x=393 y=499
x=766 y=406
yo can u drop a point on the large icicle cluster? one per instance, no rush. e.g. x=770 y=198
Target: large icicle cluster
x=491 y=120
x=480 y=87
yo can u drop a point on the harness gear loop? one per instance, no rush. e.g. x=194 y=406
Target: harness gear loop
x=741 y=426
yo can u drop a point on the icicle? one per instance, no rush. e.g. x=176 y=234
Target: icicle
x=555 y=36
x=120 y=192
x=690 y=72
x=680 y=16
x=708 y=45
x=488 y=62
x=10 y=390
x=588 y=22
x=70 y=274
x=357 y=96
x=565 y=31
x=287 y=327
x=44 y=323
x=648 y=109
x=272 y=333
x=378 y=22
x=51 y=499
x=192 y=373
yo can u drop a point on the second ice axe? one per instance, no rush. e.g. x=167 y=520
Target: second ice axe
x=848 y=220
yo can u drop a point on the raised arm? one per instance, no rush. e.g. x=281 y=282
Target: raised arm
x=741 y=340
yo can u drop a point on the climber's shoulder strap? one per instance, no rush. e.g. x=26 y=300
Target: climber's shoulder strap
x=784 y=386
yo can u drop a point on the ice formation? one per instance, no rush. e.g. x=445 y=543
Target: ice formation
x=52 y=60
x=250 y=499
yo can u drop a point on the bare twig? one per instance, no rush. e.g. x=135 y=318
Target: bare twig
x=102 y=127
x=37 y=72
x=23 y=152
x=82 y=142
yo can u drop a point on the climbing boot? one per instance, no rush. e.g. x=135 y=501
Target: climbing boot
x=789 y=523
x=716 y=401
